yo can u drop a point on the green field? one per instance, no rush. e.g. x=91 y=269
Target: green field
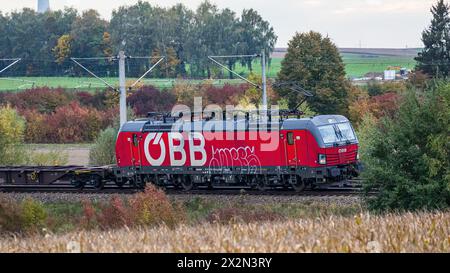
x=88 y=83
x=357 y=65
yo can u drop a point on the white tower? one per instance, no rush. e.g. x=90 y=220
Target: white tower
x=43 y=6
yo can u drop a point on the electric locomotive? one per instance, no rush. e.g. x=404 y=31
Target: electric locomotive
x=293 y=153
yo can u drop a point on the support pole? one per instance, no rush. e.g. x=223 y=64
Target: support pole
x=264 y=84
x=122 y=88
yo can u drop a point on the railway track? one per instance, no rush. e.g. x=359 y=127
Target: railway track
x=111 y=189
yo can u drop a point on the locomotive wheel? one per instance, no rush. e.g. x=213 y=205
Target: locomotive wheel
x=260 y=183
x=298 y=184
x=187 y=184
x=138 y=183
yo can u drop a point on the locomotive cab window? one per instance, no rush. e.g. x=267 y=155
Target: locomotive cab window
x=290 y=138
x=135 y=140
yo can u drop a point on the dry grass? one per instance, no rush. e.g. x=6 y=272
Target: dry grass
x=418 y=232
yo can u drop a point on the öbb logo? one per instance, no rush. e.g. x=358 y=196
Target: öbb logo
x=155 y=142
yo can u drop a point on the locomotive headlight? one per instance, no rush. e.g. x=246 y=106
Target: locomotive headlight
x=357 y=155
x=322 y=159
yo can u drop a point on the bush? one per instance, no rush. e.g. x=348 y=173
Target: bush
x=185 y=91
x=378 y=106
x=408 y=160
x=34 y=215
x=103 y=151
x=44 y=100
x=226 y=95
x=11 y=219
x=68 y=124
x=114 y=214
x=89 y=217
x=153 y=207
x=376 y=89
x=96 y=100
x=12 y=128
x=149 y=99
x=50 y=158
x=25 y=216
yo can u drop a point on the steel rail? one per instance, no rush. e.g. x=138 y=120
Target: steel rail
x=113 y=189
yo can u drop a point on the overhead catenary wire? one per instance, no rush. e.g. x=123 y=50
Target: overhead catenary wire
x=10 y=65
x=148 y=71
x=93 y=74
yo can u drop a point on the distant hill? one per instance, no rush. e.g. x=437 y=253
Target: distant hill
x=404 y=52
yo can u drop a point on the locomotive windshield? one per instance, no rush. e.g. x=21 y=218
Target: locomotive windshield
x=337 y=133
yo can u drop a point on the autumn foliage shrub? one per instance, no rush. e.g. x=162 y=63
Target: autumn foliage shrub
x=114 y=214
x=10 y=215
x=34 y=215
x=148 y=208
x=68 y=124
x=26 y=216
x=43 y=100
x=153 y=207
x=98 y=100
x=386 y=104
x=149 y=99
x=226 y=95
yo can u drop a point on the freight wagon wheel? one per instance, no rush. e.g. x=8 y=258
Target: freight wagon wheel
x=97 y=182
x=120 y=183
x=78 y=183
x=187 y=184
x=298 y=184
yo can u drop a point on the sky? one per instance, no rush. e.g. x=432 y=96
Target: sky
x=349 y=23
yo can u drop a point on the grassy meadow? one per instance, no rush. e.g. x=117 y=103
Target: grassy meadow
x=356 y=65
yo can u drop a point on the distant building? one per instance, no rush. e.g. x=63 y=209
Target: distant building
x=43 y=6
x=389 y=75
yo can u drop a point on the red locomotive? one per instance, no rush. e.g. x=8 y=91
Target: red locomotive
x=289 y=153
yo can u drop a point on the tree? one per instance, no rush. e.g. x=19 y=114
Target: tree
x=62 y=49
x=407 y=160
x=435 y=57
x=171 y=63
x=315 y=63
x=87 y=34
x=255 y=35
x=4 y=49
x=107 y=45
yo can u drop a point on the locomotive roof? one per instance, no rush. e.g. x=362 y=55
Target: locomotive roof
x=286 y=124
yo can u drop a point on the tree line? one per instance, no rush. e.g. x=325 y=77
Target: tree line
x=186 y=37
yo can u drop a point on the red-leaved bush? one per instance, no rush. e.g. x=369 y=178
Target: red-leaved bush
x=226 y=95
x=149 y=99
x=114 y=214
x=153 y=207
x=96 y=100
x=71 y=123
x=42 y=100
x=148 y=208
